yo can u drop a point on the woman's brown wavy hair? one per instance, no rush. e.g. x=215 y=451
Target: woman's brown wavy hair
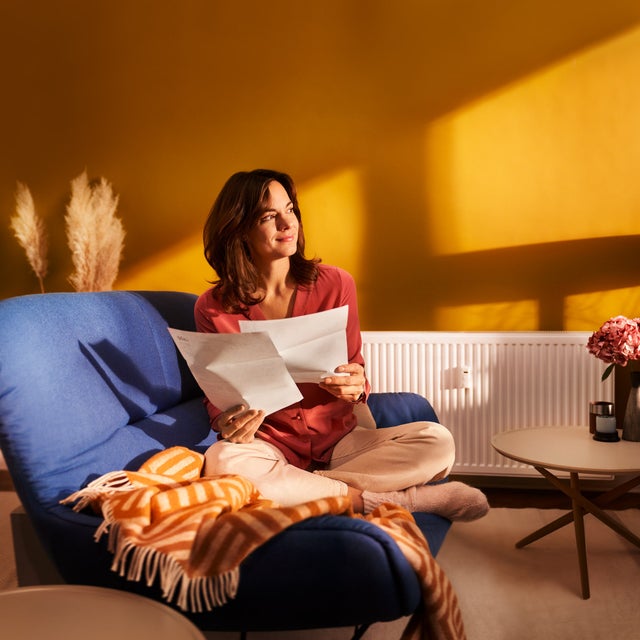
x=235 y=211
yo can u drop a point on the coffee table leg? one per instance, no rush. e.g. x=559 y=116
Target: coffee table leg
x=579 y=506
x=560 y=522
x=577 y=515
x=592 y=506
x=596 y=504
x=578 y=525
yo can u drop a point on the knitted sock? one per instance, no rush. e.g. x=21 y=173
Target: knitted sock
x=452 y=500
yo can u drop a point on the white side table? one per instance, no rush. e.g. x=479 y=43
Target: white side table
x=70 y=612
x=573 y=449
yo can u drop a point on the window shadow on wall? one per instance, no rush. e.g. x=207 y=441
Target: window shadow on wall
x=404 y=278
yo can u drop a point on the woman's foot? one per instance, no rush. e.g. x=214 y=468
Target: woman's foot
x=452 y=500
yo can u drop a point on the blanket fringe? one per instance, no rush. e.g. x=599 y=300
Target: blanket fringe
x=194 y=594
x=106 y=484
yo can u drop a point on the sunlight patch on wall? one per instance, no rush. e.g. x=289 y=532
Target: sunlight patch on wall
x=182 y=267
x=588 y=311
x=499 y=316
x=333 y=214
x=543 y=160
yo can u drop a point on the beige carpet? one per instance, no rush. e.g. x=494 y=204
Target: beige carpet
x=505 y=593
x=534 y=593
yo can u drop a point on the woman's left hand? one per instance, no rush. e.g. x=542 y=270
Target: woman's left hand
x=348 y=388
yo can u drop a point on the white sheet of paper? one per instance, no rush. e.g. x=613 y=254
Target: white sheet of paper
x=233 y=368
x=312 y=346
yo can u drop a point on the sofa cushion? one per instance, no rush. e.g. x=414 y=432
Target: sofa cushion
x=100 y=368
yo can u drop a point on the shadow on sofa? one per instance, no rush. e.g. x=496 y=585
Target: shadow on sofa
x=91 y=383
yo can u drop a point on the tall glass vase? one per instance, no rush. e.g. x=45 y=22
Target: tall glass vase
x=631 y=424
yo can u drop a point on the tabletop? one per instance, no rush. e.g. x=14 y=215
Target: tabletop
x=568 y=449
x=67 y=612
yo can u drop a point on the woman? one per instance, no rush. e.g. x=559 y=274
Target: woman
x=254 y=241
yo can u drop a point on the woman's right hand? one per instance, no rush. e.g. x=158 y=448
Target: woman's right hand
x=239 y=424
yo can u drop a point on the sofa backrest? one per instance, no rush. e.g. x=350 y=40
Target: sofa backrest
x=90 y=383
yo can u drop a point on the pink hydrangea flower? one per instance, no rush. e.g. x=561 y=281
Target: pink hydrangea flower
x=616 y=342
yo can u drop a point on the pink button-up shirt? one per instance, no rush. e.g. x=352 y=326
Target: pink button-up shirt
x=306 y=431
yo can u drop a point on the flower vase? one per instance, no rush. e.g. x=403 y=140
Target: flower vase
x=631 y=424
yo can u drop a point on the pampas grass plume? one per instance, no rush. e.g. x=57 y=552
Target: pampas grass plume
x=30 y=233
x=95 y=236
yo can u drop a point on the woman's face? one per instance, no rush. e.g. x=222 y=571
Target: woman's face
x=275 y=234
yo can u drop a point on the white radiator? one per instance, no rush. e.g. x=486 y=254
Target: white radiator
x=483 y=383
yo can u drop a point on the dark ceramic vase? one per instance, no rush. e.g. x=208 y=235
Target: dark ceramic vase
x=631 y=424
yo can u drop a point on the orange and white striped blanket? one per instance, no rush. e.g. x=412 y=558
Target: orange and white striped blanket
x=167 y=522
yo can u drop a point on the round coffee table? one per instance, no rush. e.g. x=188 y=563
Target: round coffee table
x=67 y=612
x=573 y=450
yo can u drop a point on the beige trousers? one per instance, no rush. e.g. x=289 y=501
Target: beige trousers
x=375 y=460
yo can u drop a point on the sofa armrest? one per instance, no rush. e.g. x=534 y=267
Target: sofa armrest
x=393 y=408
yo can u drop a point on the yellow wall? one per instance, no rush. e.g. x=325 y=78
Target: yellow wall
x=475 y=165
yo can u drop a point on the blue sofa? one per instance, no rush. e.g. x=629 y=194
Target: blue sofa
x=92 y=382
